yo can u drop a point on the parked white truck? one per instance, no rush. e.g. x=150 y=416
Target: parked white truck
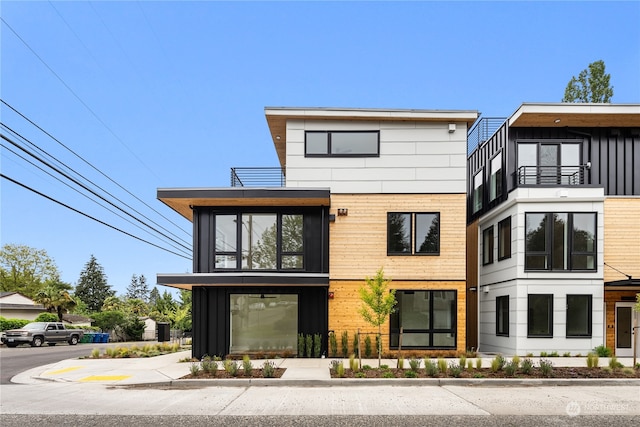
x=38 y=333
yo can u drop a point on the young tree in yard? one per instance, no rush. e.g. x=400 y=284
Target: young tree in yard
x=592 y=85
x=378 y=304
x=25 y=270
x=92 y=288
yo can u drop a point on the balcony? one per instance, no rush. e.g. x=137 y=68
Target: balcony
x=482 y=130
x=257 y=177
x=551 y=175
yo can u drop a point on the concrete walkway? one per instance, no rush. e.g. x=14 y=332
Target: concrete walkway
x=167 y=370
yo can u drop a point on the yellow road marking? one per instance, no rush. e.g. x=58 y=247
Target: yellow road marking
x=105 y=378
x=62 y=371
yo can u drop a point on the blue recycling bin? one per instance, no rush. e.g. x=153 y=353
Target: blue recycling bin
x=105 y=338
x=96 y=337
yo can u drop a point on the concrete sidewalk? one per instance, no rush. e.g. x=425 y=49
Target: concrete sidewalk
x=167 y=370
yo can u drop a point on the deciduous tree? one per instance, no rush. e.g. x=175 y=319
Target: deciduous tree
x=25 y=270
x=378 y=304
x=591 y=85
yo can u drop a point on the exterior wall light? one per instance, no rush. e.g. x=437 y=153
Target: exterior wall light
x=343 y=211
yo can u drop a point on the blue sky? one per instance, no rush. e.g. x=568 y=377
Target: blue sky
x=172 y=94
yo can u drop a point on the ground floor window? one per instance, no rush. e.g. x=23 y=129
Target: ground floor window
x=540 y=315
x=579 y=315
x=427 y=319
x=261 y=322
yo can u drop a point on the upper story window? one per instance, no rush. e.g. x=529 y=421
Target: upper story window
x=495 y=178
x=504 y=239
x=477 y=191
x=413 y=233
x=259 y=241
x=342 y=143
x=549 y=163
x=560 y=241
x=487 y=246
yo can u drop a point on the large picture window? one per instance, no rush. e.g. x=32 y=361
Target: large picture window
x=540 y=315
x=502 y=316
x=504 y=239
x=342 y=144
x=560 y=241
x=579 y=315
x=413 y=233
x=550 y=162
x=259 y=241
x=427 y=319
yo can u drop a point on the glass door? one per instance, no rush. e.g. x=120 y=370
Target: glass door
x=625 y=320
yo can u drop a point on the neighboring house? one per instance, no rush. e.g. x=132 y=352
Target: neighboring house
x=76 y=320
x=16 y=306
x=150 y=329
x=553 y=231
x=365 y=189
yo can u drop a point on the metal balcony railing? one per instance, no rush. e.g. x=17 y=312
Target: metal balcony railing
x=482 y=130
x=257 y=177
x=551 y=175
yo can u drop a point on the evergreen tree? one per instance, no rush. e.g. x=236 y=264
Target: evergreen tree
x=154 y=296
x=92 y=288
x=138 y=288
x=592 y=85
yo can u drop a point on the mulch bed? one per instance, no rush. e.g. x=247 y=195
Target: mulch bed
x=222 y=374
x=558 y=373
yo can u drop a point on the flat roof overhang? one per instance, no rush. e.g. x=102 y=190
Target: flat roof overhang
x=630 y=284
x=183 y=200
x=277 y=119
x=243 y=279
x=576 y=115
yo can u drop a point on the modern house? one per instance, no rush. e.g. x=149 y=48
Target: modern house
x=365 y=189
x=553 y=238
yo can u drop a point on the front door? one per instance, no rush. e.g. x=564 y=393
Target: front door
x=626 y=319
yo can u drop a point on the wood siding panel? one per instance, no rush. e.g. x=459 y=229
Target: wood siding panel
x=621 y=237
x=344 y=309
x=358 y=241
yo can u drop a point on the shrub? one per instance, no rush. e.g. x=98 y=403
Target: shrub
x=360 y=375
x=553 y=354
x=495 y=365
x=414 y=364
x=384 y=366
x=566 y=354
x=333 y=344
x=317 y=345
x=334 y=365
x=546 y=367
x=529 y=354
x=345 y=344
x=526 y=366
x=340 y=369
x=95 y=353
x=367 y=346
x=247 y=366
x=231 y=367
x=455 y=369
x=309 y=345
x=195 y=369
x=543 y=354
x=46 y=317
x=6 y=324
x=516 y=359
x=411 y=374
x=478 y=363
x=268 y=369
x=366 y=367
x=353 y=363
x=355 y=343
x=463 y=361
x=592 y=360
x=400 y=362
x=209 y=365
x=300 y=345
x=603 y=351
x=511 y=368
x=430 y=367
x=469 y=364
x=388 y=374
x=614 y=364
x=442 y=365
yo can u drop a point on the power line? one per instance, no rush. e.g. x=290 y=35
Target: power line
x=79 y=99
x=75 y=181
x=89 y=216
x=96 y=169
x=77 y=191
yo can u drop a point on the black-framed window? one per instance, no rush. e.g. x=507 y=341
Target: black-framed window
x=495 y=177
x=342 y=143
x=478 y=188
x=548 y=162
x=504 y=239
x=258 y=241
x=560 y=240
x=415 y=233
x=487 y=246
x=427 y=318
x=579 y=320
x=540 y=315
x=502 y=316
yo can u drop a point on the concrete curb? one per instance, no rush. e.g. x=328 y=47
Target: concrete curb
x=358 y=382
